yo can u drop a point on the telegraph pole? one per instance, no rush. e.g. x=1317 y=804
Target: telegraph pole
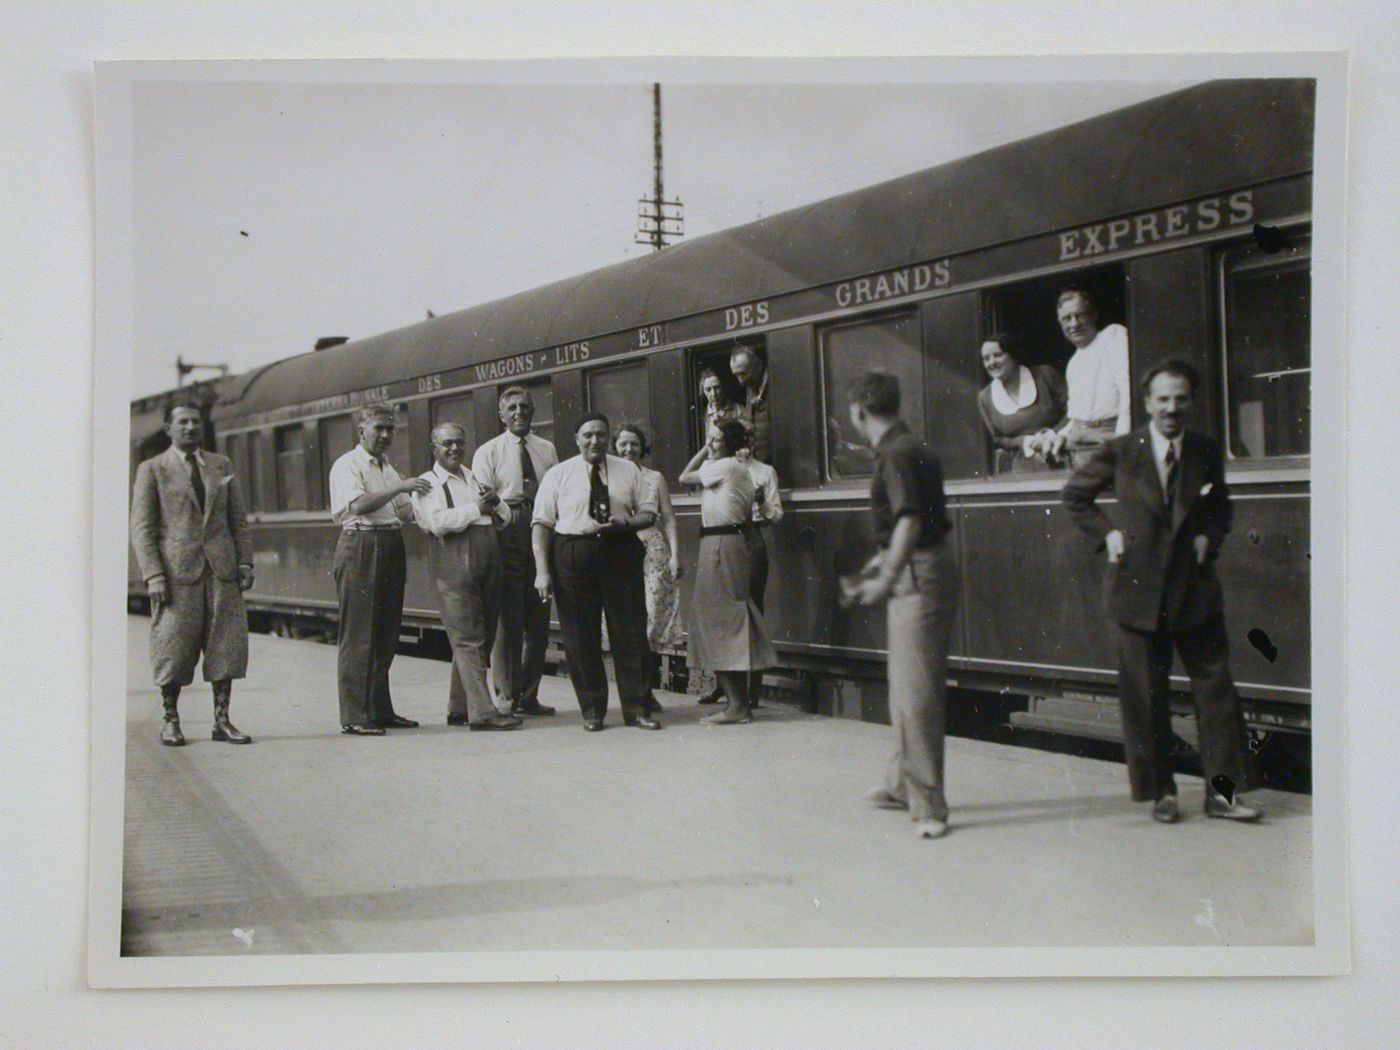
x=658 y=218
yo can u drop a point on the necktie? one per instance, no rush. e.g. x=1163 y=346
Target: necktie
x=598 y=504
x=196 y=478
x=528 y=481
x=1173 y=469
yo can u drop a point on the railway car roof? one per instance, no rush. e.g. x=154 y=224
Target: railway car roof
x=1192 y=143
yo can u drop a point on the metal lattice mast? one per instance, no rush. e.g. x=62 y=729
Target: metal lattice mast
x=658 y=218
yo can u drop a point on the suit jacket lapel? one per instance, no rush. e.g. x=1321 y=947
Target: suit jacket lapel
x=179 y=474
x=1146 y=471
x=1188 y=484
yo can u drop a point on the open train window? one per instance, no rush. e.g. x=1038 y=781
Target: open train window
x=848 y=351
x=728 y=393
x=1266 y=303
x=622 y=393
x=542 y=394
x=291 y=467
x=236 y=448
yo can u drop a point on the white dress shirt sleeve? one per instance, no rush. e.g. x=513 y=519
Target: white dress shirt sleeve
x=346 y=486
x=435 y=516
x=1118 y=366
x=547 y=498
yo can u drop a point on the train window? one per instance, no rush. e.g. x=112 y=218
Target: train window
x=290 y=443
x=848 y=352
x=256 y=469
x=236 y=448
x=623 y=394
x=542 y=393
x=456 y=408
x=727 y=392
x=337 y=438
x=1267 y=304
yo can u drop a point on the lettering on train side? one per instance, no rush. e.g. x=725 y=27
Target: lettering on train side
x=651 y=335
x=519 y=365
x=746 y=316
x=571 y=353
x=896 y=283
x=427 y=384
x=1163 y=224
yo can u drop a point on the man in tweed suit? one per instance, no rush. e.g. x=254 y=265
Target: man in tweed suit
x=191 y=539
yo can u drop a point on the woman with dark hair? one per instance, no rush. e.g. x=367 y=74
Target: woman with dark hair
x=662 y=568
x=716 y=404
x=727 y=632
x=1021 y=407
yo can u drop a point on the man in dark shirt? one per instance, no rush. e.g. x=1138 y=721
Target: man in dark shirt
x=915 y=574
x=751 y=372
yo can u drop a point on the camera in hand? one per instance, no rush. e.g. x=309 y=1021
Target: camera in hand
x=600 y=508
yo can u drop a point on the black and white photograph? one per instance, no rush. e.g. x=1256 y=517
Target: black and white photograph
x=702 y=517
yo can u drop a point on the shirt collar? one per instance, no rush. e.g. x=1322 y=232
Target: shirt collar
x=762 y=388
x=442 y=475
x=198 y=455
x=1160 y=442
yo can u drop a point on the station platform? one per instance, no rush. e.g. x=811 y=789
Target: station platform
x=440 y=839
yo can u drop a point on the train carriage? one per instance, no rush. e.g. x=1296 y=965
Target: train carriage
x=1186 y=216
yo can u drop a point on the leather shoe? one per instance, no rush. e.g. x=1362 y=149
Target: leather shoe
x=1218 y=806
x=714 y=696
x=459 y=720
x=643 y=722
x=398 y=722
x=882 y=799
x=727 y=718
x=495 y=722
x=170 y=734
x=1165 y=810
x=593 y=725
x=362 y=730
x=536 y=708
x=225 y=731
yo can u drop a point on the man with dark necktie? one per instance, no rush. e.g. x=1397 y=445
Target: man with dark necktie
x=588 y=558
x=510 y=466
x=191 y=538
x=1162 y=538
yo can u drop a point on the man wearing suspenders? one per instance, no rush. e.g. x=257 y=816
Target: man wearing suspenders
x=459 y=519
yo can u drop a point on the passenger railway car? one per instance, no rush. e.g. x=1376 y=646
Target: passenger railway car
x=1186 y=216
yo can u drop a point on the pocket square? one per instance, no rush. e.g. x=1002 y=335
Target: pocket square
x=1205 y=489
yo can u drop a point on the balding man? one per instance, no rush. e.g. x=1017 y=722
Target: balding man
x=368 y=501
x=192 y=543
x=459 y=518
x=751 y=372
x=511 y=465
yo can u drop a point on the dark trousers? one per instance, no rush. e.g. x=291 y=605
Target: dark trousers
x=369 y=581
x=758 y=564
x=467 y=577
x=597 y=576
x=517 y=657
x=1144 y=667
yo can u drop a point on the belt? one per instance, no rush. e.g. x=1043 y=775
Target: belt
x=358 y=527
x=1098 y=424
x=721 y=530
x=578 y=536
x=521 y=502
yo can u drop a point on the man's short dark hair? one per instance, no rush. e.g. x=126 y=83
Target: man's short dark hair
x=734 y=434
x=1172 y=366
x=877 y=392
x=176 y=406
x=589 y=417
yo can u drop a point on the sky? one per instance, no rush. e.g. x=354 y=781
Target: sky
x=268 y=214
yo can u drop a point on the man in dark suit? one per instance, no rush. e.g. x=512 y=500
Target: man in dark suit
x=1172 y=516
x=192 y=543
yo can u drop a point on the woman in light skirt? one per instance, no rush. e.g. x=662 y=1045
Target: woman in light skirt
x=727 y=632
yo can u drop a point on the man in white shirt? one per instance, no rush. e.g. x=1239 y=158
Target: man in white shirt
x=510 y=466
x=368 y=501
x=458 y=518
x=587 y=556
x=1100 y=391
x=1170 y=518
x=190 y=535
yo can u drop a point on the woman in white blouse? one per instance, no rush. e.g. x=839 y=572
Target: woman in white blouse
x=1021 y=407
x=727 y=632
